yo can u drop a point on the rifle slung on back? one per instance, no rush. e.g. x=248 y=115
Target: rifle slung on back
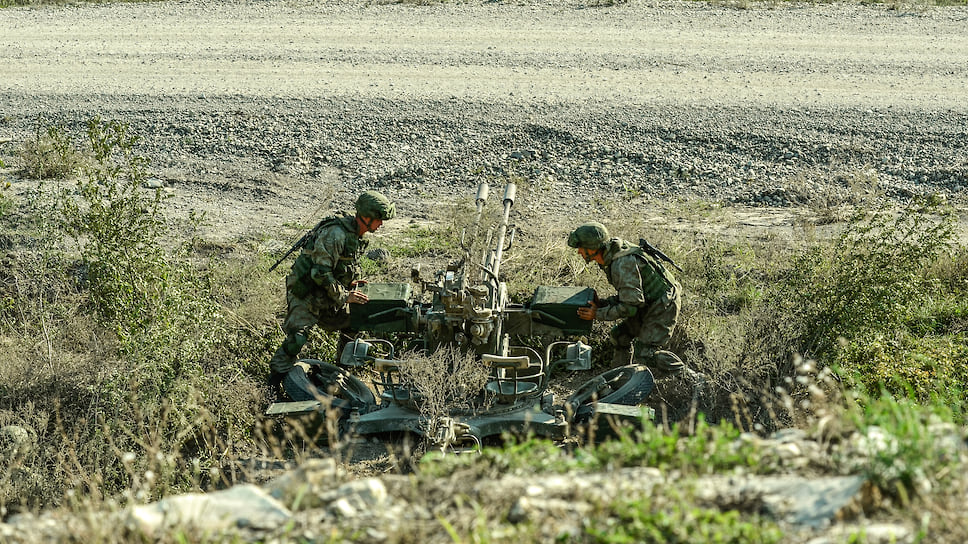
x=302 y=242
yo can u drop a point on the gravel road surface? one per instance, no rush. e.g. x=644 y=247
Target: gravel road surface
x=255 y=111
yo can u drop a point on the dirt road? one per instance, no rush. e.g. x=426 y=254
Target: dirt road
x=666 y=52
x=247 y=107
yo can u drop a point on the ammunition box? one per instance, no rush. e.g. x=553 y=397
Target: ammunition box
x=557 y=307
x=388 y=309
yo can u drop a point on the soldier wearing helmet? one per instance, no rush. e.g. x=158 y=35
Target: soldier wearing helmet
x=646 y=299
x=323 y=280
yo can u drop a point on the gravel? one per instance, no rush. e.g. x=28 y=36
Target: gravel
x=257 y=112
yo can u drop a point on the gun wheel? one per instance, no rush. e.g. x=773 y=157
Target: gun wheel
x=310 y=379
x=628 y=385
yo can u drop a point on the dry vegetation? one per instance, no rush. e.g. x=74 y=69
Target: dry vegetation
x=135 y=366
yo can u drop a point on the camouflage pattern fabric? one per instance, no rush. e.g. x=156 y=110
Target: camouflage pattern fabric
x=318 y=286
x=647 y=302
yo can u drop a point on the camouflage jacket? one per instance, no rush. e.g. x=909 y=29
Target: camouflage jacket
x=329 y=263
x=638 y=278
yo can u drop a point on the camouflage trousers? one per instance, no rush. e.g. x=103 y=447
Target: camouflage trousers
x=302 y=314
x=643 y=337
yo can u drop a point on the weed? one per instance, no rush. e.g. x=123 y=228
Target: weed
x=443 y=382
x=108 y=327
x=641 y=520
x=136 y=286
x=872 y=279
x=899 y=449
x=6 y=204
x=50 y=154
x=423 y=241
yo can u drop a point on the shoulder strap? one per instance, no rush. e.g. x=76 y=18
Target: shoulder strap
x=650 y=260
x=330 y=220
x=632 y=250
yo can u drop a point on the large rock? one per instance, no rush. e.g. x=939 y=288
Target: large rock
x=240 y=507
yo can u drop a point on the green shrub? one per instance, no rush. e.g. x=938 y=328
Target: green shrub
x=642 y=520
x=707 y=449
x=905 y=447
x=874 y=278
x=928 y=368
x=143 y=290
x=117 y=333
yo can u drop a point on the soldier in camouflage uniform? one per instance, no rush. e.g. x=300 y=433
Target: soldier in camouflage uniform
x=323 y=280
x=647 y=300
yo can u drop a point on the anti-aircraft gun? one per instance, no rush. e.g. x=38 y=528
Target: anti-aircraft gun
x=468 y=313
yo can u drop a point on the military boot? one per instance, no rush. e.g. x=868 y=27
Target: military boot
x=665 y=364
x=285 y=356
x=662 y=363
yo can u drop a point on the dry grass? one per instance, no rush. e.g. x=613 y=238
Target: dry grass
x=105 y=427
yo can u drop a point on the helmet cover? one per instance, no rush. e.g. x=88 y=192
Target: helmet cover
x=375 y=206
x=591 y=235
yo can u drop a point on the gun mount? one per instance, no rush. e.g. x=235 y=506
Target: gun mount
x=466 y=310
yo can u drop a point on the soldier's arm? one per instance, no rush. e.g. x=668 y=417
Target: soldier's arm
x=325 y=255
x=627 y=281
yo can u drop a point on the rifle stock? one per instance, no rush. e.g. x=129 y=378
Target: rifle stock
x=301 y=242
x=658 y=254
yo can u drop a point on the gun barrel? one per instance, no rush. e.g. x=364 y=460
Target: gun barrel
x=482 y=190
x=509 y=193
x=657 y=253
x=299 y=243
x=502 y=229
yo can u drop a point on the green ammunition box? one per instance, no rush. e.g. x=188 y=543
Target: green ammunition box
x=557 y=307
x=388 y=310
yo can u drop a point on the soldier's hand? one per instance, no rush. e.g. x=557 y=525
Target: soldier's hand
x=356 y=283
x=588 y=312
x=357 y=297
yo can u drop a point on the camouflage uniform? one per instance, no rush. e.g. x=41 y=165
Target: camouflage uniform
x=318 y=286
x=647 y=302
x=646 y=299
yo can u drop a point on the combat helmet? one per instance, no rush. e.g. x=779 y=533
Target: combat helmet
x=374 y=205
x=591 y=235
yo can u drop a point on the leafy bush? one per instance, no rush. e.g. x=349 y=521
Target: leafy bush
x=143 y=291
x=117 y=334
x=929 y=368
x=874 y=278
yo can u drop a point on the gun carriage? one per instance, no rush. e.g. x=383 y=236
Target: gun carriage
x=465 y=309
